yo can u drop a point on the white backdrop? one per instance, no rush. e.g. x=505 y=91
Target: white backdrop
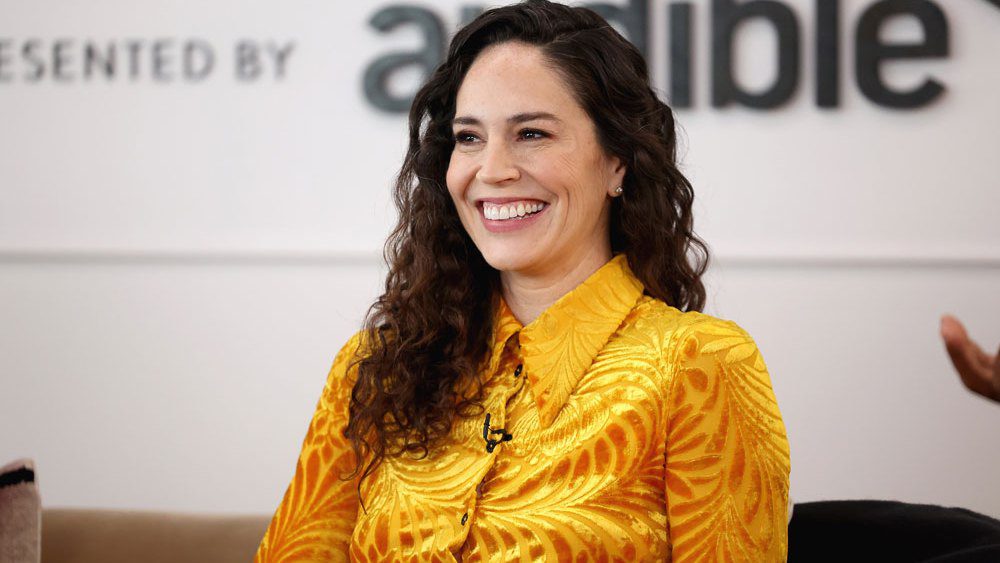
x=180 y=261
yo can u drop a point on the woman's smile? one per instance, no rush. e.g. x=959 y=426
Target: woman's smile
x=503 y=215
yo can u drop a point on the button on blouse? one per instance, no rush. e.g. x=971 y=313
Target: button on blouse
x=614 y=427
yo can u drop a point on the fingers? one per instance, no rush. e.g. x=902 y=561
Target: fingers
x=957 y=342
x=952 y=331
x=974 y=366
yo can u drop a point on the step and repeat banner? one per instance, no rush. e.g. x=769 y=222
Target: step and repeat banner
x=847 y=128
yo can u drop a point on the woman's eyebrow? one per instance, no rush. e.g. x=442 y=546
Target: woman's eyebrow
x=512 y=120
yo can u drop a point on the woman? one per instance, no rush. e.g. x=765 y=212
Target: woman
x=528 y=388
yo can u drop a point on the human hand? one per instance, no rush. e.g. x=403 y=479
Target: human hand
x=980 y=372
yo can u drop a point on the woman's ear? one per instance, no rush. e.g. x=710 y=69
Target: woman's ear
x=617 y=179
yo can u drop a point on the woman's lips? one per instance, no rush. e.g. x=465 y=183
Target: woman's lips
x=509 y=225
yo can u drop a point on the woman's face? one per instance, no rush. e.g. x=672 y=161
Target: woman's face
x=529 y=179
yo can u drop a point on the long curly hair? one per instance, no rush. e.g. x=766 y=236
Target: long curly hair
x=429 y=333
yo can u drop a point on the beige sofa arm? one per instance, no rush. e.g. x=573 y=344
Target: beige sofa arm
x=112 y=536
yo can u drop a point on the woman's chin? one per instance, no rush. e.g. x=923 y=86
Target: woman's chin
x=510 y=259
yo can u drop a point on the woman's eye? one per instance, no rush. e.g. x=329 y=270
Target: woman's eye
x=532 y=134
x=464 y=137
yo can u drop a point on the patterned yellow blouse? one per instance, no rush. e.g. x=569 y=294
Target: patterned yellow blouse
x=616 y=428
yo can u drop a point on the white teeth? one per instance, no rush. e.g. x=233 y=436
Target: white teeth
x=517 y=210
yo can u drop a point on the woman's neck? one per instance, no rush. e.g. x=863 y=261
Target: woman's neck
x=528 y=296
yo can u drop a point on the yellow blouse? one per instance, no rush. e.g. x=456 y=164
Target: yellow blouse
x=616 y=428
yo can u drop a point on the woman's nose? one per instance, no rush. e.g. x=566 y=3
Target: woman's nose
x=498 y=165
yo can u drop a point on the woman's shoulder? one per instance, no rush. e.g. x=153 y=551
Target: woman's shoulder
x=654 y=313
x=700 y=354
x=689 y=332
x=354 y=347
x=343 y=372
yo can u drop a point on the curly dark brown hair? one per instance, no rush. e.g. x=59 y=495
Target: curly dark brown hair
x=429 y=332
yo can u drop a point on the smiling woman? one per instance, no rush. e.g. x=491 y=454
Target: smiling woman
x=507 y=160
x=536 y=382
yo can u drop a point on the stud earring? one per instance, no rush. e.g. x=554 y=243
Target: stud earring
x=618 y=190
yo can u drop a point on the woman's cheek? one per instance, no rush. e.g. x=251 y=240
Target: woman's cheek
x=454 y=186
x=457 y=176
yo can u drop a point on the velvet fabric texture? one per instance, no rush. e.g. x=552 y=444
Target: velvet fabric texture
x=614 y=428
x=20 y=513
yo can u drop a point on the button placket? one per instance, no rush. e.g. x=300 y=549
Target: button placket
x=495 y=436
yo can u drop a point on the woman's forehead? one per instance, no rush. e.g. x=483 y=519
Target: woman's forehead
x=512 y=79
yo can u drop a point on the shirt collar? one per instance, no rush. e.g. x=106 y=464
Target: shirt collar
x=560 y=345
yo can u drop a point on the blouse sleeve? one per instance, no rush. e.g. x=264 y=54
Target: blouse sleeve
x=727 y=466
x=316 y=517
